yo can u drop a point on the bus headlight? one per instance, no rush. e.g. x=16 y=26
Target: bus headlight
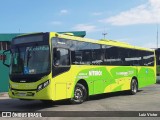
x=43 y=85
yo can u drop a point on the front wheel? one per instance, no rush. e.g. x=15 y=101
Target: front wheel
x=134 y=87
x=80 y=94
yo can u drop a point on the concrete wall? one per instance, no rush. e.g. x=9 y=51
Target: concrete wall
x=4 y=78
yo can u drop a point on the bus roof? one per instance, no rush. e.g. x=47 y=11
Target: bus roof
x=75 y=33
x=71 y=33
x=79 y=36
x=104 y=42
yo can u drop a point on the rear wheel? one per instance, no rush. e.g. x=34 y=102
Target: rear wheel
x=134 y=87
x=80 y=94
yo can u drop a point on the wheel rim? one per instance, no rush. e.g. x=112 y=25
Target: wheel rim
x=78 y=94
x=134 y=86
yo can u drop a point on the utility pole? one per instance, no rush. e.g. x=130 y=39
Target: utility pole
x=19 y=30
x=104 y=34
x=157 y=35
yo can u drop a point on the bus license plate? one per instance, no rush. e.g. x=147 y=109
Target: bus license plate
x=21 y=94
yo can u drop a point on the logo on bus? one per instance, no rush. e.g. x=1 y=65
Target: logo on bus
x=95 y=73
x=127 y=73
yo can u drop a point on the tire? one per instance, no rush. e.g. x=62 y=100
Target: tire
x=80 y=94
x=134 y=87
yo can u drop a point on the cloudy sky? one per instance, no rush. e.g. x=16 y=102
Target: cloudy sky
x=131 y=21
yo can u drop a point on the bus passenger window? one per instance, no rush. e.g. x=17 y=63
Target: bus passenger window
x=61 y=57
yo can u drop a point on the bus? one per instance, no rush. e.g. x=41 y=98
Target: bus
x=157 y=52
x=52 y=66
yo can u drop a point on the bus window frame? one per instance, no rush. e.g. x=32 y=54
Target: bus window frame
x=61 y=66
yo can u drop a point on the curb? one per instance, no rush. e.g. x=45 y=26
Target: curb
x=3 y=94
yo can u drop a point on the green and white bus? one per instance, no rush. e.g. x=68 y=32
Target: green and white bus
x=51 y=66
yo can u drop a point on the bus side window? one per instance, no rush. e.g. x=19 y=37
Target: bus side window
x=61 y=57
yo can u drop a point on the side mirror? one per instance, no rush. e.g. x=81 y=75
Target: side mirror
x=5 y=60
x=57 y=56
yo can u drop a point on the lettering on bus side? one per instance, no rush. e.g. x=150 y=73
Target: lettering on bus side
x=95 y=73
x=125 y=73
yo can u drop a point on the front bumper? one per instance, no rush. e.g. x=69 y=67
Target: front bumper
x=32 y=94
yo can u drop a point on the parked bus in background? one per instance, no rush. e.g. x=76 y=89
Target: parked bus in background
x=51 y=66
x=157 y=51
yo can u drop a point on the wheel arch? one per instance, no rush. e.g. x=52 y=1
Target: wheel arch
x=85 y=84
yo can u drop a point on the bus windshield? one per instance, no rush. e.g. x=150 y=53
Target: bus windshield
x=30 y=60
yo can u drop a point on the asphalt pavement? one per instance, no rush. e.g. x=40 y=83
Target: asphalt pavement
x=147 y=99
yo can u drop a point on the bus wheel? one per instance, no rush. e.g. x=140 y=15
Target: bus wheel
x=80 y=94
x=134 y=87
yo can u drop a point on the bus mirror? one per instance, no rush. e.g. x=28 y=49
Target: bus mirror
x=5 y=60
x=58 y=55
x=57 y=60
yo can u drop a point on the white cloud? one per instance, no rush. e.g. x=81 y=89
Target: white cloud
x=85 y=27
x=150 y=45
x=97 y=13
x=126 y=40
x=64 y=11
x=147 y=13
x=56 y=23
